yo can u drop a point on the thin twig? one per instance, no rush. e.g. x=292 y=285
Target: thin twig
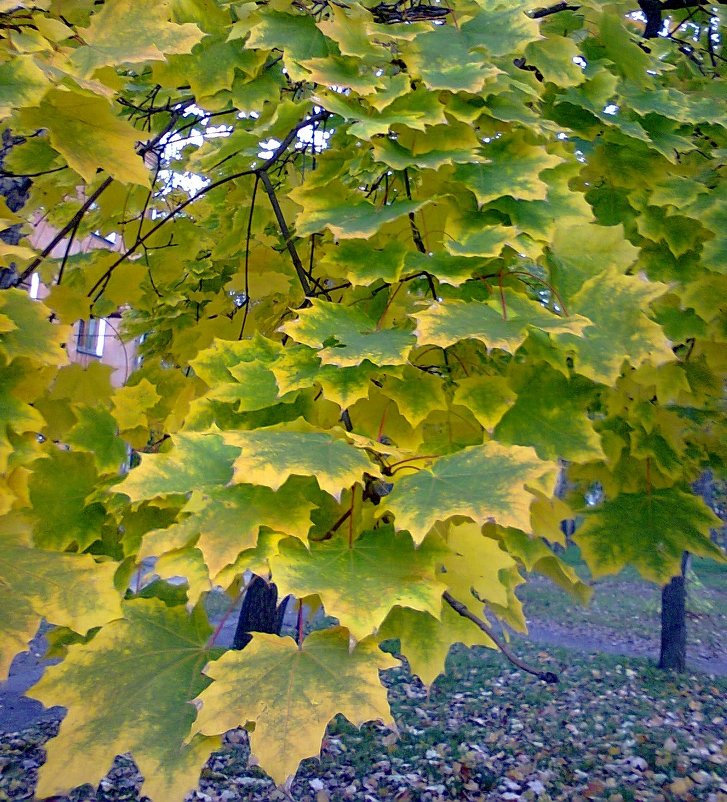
x=202 y=192
x=546 y=676
x=285 y=231
x=248 y=238
x=70 y=225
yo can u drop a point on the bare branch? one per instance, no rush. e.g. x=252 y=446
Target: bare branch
x=103 y=280
x=285 y=231
x=539 y=13
x=546 y=676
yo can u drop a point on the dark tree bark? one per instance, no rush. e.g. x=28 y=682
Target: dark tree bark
x=673 y=654
x=260 y=612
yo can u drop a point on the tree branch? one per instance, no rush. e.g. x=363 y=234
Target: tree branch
x=282 y=147
x=652 y=9
x=539 y=13
x=285 y=231
x=71 y=225
x=546 y=676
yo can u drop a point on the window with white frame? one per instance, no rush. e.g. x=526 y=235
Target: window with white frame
x=91 y=335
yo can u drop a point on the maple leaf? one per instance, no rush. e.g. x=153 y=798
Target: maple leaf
x=132 y=32
x=197 y=460
x=73 y=520
x=88 y=135
x=67 y=589
x=27 y=331
x=472 y=569
x=108 y=698
x=448 y=323
x=426 y=640
x=536 y=555
x=291 y=693
x=223 y=522
x=359 y=583
x=480 y=482
x=345 y=336
x=649 y=531
x=269 y=456
x=620 y=329
x=550 y=415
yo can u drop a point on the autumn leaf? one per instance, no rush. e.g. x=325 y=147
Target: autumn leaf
x=426 y=640
x=89 y=136
x=649 y=531
x=481 y=482
x=70 y=590
x=147 y=35
x=498 y=323
x=107 y=698
x=359 y=583
x=292 y=693
x=346 y=336
x=270 y=456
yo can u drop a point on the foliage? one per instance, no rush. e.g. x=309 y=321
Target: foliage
x=391 y=265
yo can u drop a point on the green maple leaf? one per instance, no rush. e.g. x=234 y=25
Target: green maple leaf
x=649 y=531
x=360 y=583
x=295 y=34
x=365 y=265
x=448 y=323
x=27 y=331
x=620 y=329
x=487 y=397
x=554 y=57
x=583 y=251
x=480 y=482
x=550 y=415
x=197 y=460
x=344 y=214
x=416 y=394
x=501 y=27
x=443 y=59
x=89 y=136
x=16 y=416
x=131 y=403
x=270 y=456
x=73 y=520
x=254 y=387
x=292 y=693
x=79 y=383
x=70 y=590
x=299 y=368
x=426 y=641
x=136 y=703
x=130 y=32
x=512 y=168
x=417 y=110
x=22 y=83
x=346 y=336
x=469 y=233
x=223 y=522
x=445 y=267
x=187 y=563
x=95 y=432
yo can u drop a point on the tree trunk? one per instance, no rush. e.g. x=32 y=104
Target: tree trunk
x=673 y=654
x=259 y=613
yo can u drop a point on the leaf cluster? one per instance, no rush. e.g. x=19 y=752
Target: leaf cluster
x=415 y=284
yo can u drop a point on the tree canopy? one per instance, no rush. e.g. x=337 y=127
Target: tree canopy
x=394 y=266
